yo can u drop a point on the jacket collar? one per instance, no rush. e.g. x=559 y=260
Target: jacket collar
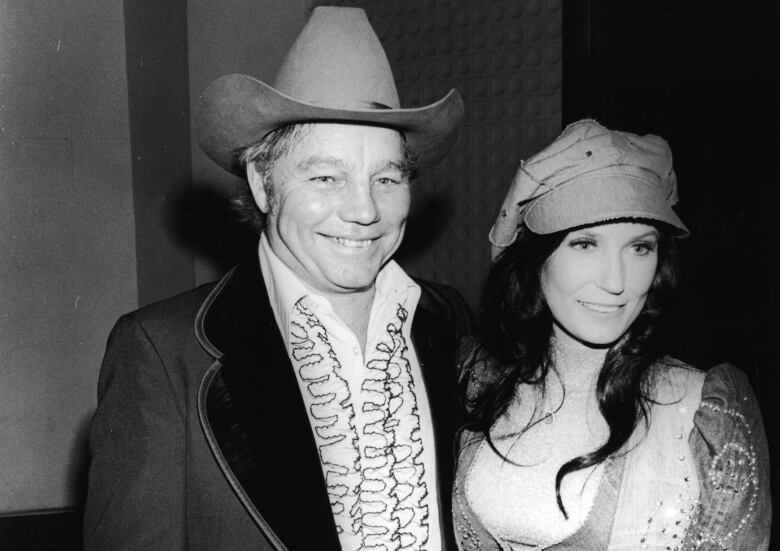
x=256 y=423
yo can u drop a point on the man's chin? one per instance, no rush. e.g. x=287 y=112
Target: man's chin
x=355 y=283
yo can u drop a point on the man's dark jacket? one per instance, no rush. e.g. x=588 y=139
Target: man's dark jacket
x=201 y=440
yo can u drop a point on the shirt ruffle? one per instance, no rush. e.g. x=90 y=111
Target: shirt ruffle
x=378 y=497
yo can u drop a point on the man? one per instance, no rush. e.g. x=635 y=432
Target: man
x=304 y=401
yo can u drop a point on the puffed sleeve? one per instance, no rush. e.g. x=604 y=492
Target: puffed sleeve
x=731 y=451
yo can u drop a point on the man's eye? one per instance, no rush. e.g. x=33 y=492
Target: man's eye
x=388 y=181
x=323 y=179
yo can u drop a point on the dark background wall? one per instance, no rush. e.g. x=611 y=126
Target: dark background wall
x=706 y=76
x=505 y=59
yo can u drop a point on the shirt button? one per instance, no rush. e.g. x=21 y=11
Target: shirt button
x=356 y=350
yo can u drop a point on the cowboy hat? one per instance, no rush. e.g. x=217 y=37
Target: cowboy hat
x=336 y=71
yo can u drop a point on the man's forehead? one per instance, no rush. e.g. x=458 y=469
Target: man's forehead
x=345 y=163
x=341 y=131
x=344 y=144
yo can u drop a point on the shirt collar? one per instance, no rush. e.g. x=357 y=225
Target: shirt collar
x=285 y=288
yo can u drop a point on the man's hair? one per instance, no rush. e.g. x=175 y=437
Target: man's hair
x=264 y=154
x=514 y=347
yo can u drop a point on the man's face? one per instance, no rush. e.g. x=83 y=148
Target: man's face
x=338 y=205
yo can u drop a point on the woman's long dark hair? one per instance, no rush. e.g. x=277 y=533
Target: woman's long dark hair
x=514 y=347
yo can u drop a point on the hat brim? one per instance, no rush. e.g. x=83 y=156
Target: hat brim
x=236 y=111
x=601 y=199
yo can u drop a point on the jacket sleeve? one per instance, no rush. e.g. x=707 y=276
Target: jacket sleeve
x=730 y=447
x=135 y=497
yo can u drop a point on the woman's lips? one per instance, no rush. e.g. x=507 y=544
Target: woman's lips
x=601 y=308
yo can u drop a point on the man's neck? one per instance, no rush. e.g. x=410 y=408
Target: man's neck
x=354 y=309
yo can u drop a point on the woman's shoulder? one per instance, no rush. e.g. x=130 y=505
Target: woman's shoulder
x=673 y=381
x=726 y=386
x=723 y=389
x=724 y=381
x=720 y=400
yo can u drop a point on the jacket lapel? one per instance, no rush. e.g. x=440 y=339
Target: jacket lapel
x=256 y=423
x=254 y=417
x=435 y=343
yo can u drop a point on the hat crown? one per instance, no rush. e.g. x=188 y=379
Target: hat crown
x=586 y=149
x=587 y=175
x=335 y=71
x=337 y=61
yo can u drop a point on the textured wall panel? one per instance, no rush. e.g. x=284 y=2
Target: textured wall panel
x=505 y=58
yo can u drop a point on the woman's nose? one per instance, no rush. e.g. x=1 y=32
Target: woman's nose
x=612 y=276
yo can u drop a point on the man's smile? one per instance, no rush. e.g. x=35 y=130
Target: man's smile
x=352 y=243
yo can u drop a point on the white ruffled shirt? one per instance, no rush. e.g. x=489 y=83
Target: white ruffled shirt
x=358 y=404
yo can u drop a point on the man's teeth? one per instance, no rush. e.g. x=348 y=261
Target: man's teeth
x=602 y=308
x=358 y=243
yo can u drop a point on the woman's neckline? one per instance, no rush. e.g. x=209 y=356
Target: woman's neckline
x=576 y=364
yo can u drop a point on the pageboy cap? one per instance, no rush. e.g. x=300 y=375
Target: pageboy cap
x=590 y=174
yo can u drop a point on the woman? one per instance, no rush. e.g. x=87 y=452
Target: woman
x=581 y=433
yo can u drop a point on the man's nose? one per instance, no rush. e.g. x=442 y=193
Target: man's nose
x=358 y=204
x=612 y=276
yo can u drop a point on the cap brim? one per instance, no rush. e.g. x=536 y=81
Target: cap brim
x=236 y=111
x=601 y=199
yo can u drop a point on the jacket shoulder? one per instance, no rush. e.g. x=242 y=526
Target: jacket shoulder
x=173 y=311
x=443 y=300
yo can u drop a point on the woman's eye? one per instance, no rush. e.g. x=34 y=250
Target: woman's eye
x=642 y=249
x=582 y=244
x=388 y=181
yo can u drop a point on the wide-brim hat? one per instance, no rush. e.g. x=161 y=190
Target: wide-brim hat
x=336 y=71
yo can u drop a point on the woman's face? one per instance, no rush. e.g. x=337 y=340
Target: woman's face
x=596 y=281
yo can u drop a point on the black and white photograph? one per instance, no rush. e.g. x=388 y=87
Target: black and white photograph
x=389 y=275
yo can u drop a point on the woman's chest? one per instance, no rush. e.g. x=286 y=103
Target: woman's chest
x=514 y=491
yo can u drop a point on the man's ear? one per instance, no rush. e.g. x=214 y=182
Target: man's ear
x=257 y=186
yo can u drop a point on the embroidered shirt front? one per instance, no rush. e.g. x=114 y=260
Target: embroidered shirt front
x=369 y=416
